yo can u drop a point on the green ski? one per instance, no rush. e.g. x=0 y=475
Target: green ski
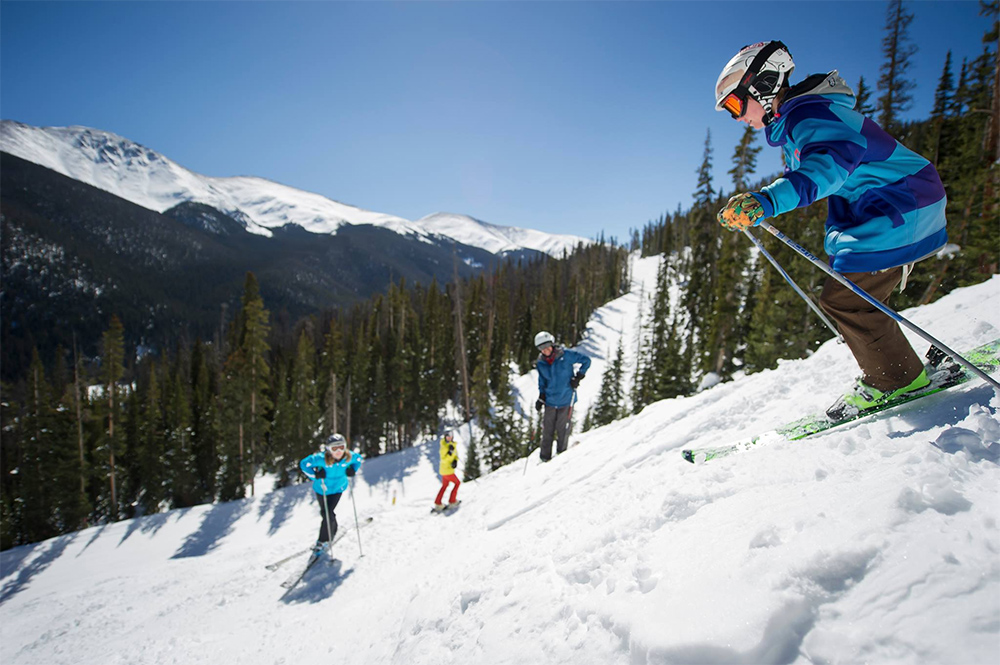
x=985 y=357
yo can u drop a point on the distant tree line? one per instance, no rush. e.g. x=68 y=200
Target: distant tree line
x=132 y=432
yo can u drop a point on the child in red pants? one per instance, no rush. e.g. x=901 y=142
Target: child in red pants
x=447 y=468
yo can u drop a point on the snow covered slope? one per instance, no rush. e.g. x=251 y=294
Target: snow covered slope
x=147 y=178
x=876 y=542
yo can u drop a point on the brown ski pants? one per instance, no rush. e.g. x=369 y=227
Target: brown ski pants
x=886 y=359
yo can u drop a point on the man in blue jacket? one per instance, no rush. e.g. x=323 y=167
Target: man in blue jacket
x=886 y=205
x=557 y=382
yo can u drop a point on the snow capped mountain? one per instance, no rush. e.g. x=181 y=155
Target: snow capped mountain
x=144 y=177
x=493 y=238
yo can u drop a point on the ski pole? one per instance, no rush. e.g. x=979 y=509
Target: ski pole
x=326 y=513
x=356 y=525
x=569 y=420
x=795 y=286
x=885 y=310
x=531 y=440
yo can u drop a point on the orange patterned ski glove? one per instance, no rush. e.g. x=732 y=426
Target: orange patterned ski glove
x=742 y=212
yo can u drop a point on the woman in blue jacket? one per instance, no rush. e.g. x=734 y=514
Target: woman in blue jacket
x=557 y=382
x=886 y=205
x=331 y=470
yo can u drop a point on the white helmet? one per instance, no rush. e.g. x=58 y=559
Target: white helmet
x=335 y=441
x=544 y=339
x=760 y=70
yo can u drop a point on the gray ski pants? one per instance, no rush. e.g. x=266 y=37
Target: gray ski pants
x=555 y=423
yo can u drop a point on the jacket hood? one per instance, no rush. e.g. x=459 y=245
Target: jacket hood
x=822 y=84
x=818 y=88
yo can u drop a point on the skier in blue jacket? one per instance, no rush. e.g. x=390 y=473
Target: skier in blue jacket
x=886 y=205
x=331 y=470
x=557 y=382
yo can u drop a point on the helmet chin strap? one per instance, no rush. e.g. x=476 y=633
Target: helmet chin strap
x=770 y=112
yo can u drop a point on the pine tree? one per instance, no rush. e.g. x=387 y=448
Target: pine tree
x=471 y=470
x=705 y=194
x=33 y=515
x=862 y=98
x=150 y=461
x=180 y=461
x=722 y=335
x=297 y=421
x=503 y=439
x=610 y=404
x=898 y=52
x=244 y=399
x=254 y=348
x=333 y=374
x=204 y=421
x=112 y=368
x=942 y=109
x=745 y=159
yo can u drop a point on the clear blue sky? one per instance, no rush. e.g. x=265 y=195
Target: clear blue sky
x=569 y=117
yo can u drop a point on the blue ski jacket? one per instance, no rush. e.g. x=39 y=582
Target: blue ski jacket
x=336 y=480
x=886 y=202
x=553 y=377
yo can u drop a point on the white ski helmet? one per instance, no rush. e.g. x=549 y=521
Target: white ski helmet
x=335 y=441
x=760 y=70
x=544 y=339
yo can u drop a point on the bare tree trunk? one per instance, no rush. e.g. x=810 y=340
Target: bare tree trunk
x=111 y=450
x=460 y=336
x=253 y=423
x=79 y=418
x=347 y=410
x=242 y=479
x=333 y=402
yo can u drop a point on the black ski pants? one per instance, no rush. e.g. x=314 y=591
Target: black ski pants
x=328 y=531
x=555 y=423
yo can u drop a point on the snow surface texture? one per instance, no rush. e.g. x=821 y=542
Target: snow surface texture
x=144 y=177
x=877 y=542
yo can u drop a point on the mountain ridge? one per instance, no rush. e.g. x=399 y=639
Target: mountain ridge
x=148 y=178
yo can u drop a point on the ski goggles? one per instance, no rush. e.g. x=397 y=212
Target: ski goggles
x=545 y=345
x=736 y=102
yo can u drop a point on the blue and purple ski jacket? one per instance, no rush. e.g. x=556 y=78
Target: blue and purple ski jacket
x=886 y=202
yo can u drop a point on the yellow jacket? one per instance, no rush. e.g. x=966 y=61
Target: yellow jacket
x=449 y=458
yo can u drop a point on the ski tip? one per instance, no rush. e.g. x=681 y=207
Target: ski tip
x=688 y=455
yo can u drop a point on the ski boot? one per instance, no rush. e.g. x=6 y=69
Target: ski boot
x=862 y=397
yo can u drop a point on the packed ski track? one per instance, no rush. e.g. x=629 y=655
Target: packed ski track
x=877 y=542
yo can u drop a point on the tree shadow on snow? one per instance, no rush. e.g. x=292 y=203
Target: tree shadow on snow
x=281 y=503
x=12 y=561
x=97 y=534
x=215 y=526
x=319 y=584
x=151 y=523
x=385 y=473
